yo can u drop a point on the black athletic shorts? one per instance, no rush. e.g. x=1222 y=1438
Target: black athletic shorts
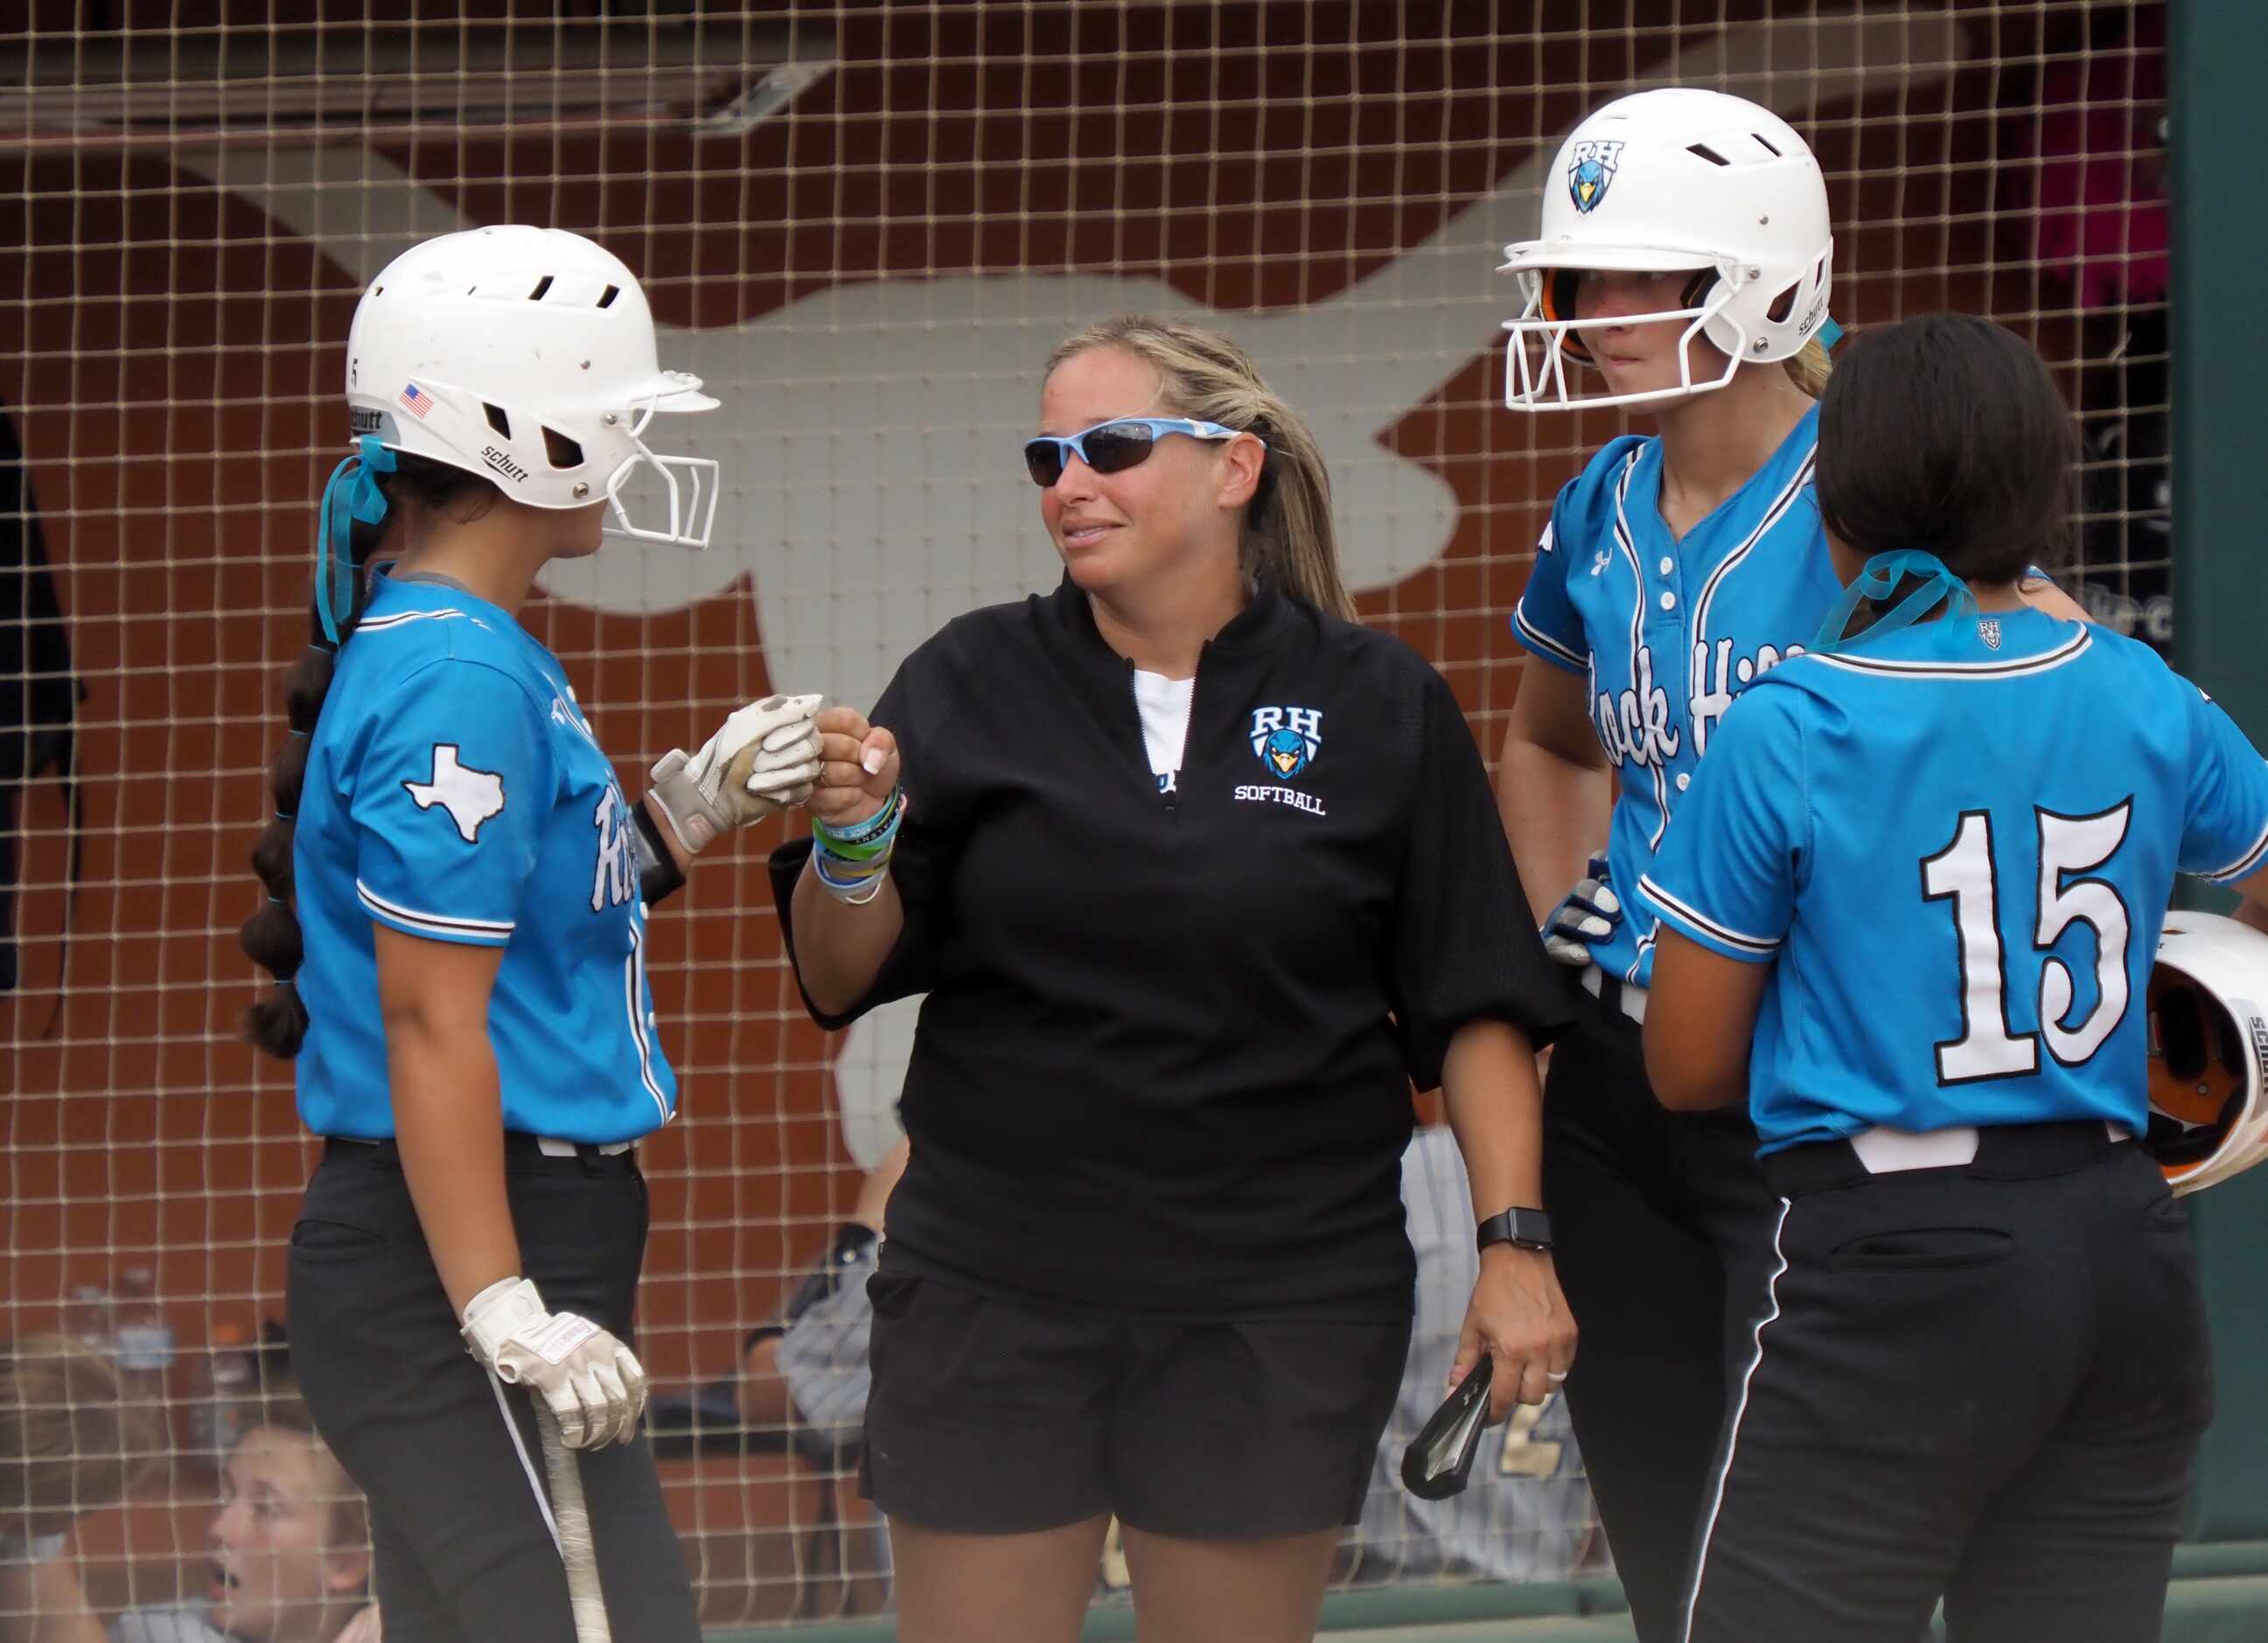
x=993 y=1417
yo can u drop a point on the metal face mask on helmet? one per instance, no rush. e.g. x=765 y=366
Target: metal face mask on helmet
x=527 y=355
x=1670 y=181
x=2208 y=1050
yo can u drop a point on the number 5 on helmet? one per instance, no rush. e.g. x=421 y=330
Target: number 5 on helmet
x=2208 y=1050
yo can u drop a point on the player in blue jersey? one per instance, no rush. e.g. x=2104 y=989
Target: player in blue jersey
x=1680 y=268
x=1675 y=570
x=1928 y=862
x=458 y=892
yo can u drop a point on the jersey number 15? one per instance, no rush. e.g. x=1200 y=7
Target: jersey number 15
x=1962 y=873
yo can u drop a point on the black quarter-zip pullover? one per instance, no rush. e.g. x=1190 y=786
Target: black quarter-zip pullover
x=1166 y=1056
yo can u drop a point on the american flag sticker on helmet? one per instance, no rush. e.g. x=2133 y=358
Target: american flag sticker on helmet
x=416 y=399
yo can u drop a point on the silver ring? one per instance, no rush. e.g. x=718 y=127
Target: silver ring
x=1555 y=1376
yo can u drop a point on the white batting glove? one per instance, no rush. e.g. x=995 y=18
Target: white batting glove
x=1585 y=918
x=764 y=758
x=592 y=1382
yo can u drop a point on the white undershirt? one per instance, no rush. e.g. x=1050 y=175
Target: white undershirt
x=1165 y=706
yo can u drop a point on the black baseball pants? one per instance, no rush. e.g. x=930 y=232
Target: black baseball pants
x=1985 y=1381
x=1649 y=1209
x=455 y=1476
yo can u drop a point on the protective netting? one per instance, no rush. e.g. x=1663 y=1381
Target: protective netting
x=864 y=226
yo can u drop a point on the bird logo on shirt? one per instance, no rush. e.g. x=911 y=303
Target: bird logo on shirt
x=1286 y=739
x=470 y=796
x=1285 y=753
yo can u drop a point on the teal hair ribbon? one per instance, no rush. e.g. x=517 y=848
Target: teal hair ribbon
x=1829 y=333
x=1879 y=579
x=350 y=495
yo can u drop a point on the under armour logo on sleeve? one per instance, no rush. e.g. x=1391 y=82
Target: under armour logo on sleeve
x=470 y=796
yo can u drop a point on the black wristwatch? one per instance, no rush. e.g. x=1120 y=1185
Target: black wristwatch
x=1524 y=1229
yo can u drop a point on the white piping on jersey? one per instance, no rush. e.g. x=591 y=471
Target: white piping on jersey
x=1542 y=640
x=379 y=624
x=2014 y=668
x=1628 y=545
x=488 y=931
x=1772 y=515
x=1705 y=707
x=633 y=969
x=1645 y=952
x=1544 y=545
x=1759 y=945
x=1733 y=1441
x=2244 y=866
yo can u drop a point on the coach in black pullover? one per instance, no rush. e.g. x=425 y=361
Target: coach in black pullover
x=1166 y=1057
x=1188 y=933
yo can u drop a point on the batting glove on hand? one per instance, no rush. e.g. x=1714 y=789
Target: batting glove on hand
x=593 y=1384
x=763 y=759
x=1587 y=917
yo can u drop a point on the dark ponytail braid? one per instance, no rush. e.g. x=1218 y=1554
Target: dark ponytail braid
x=277 y=1023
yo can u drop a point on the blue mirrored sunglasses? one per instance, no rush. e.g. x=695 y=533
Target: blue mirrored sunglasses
x=1112 y=447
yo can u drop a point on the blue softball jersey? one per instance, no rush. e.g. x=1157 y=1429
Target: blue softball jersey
x=1957 y=841
x=454 y=792
x=1669 y=631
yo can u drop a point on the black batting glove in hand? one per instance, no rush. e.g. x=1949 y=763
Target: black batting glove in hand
x=1585 y=918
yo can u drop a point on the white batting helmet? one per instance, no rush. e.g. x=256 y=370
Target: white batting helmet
x=2208 y=1050
x=526 y=355
x=1660 y=182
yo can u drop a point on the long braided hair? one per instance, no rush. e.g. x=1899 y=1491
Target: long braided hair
x=400 y=485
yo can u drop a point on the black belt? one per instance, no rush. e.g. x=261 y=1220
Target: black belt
x=2011 y=1152
x=519 y=1147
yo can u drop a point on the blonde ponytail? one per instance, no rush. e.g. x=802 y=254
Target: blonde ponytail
x=1289 y=537
x=1808 y=368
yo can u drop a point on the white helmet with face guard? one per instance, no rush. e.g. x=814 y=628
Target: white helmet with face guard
x=2208 y=1050
x=1667 y=181
x=527 y=355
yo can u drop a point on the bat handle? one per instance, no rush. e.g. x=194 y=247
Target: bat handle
x=578 y=1553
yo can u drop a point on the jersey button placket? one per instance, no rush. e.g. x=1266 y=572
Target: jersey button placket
x=1666 y=625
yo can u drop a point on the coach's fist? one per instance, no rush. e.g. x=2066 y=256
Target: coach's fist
x=1520 y=1318
x=857 y=767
